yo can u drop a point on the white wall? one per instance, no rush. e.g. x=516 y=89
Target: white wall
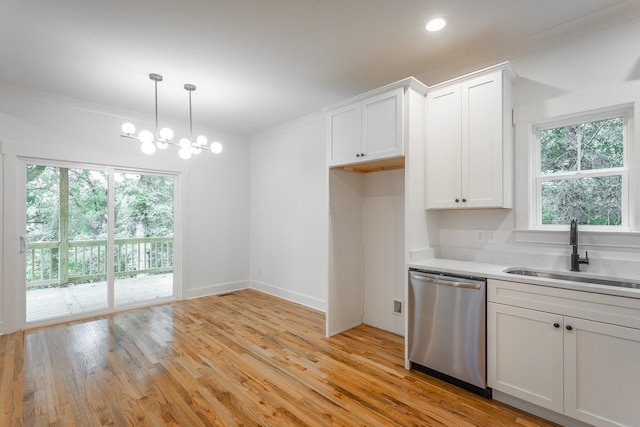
x=367 y=269
x=596 y=70
x=216 y=219
x=289 y=211
x=214 y=202
x=383 y=222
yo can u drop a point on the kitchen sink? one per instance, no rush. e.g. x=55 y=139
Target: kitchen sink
x=596 y=280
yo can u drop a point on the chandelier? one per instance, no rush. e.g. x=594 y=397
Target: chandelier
x=162 y=138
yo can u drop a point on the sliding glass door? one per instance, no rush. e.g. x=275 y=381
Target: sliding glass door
x=97 y=239
x=143 y=259
x=66 y=259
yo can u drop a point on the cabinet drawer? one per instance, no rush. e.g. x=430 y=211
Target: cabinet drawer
x=567 y=302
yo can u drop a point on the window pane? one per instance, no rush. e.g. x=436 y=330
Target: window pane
x=594 y=201
x=88 y=199
x=559 y=149
x=602 y=144
x=43 y=203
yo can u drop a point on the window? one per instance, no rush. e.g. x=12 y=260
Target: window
x=581 y=170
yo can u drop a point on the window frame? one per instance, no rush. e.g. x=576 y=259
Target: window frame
x=537 y=177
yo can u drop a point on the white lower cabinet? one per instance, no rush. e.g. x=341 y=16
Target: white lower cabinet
x=602 y=373
x=541 y=352
x=525 y=354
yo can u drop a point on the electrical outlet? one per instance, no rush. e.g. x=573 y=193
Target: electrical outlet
x=397 y=307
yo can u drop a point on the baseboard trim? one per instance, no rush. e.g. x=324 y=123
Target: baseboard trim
x=216 y=289
x=3 y=325
x=537 y=410
x=289 y=295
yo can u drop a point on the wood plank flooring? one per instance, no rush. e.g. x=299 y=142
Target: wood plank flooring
x=245 y=358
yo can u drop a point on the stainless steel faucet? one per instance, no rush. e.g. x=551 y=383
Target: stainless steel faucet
x=573 y=241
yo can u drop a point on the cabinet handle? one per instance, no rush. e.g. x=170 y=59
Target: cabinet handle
x=556 y=325
x=457 y=200
x=357 y=155
x=464 y=200
x=569 y=328
x=361 y=154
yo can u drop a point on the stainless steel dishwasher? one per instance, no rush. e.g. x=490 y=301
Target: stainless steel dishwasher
x=447 y=328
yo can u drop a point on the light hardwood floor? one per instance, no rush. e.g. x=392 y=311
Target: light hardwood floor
x=245 y=358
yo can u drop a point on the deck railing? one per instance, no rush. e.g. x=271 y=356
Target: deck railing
x=87 y=261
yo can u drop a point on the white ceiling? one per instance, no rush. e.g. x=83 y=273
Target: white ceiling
x=259 y=63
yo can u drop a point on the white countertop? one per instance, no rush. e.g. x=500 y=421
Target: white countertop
x=493 y=271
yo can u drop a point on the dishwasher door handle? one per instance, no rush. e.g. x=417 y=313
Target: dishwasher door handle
x=453 y=284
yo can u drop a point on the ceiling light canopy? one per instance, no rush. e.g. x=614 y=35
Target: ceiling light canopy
x=436 y=24
x=162 y=138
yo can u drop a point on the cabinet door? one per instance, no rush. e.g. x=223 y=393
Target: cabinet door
x=344 y=134
x=382 y=126
x=524 y=353
x=482 y=161
x=602 y=373
x=443 y=148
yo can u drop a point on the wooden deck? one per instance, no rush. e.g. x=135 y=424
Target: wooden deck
x=239 y=359
x=48 y=303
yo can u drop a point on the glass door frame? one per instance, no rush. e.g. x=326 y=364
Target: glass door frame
x=21 y=291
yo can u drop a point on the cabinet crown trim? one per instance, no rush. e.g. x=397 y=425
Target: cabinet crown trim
x=410 y=82
x=504 y=66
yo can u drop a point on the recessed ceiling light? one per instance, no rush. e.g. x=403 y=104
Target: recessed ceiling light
x=436 y=24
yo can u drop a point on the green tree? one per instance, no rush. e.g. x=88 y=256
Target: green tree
x=144 y=206
x=597 y=145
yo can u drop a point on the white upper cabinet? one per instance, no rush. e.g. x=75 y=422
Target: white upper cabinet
x=345 y=130
x=382 y=126
x=469 y=141
x=444 y=137
x=367 y=130
x=370 y=127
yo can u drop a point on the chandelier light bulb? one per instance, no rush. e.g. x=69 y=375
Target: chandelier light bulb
x=148 y=148
x=184 y=153
x=201 y=140
x=166 y=134
x=216 y=147
x=128 y=128
x=185 y=143
x=161 y=145
x=195 y=149
x=145 y=136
